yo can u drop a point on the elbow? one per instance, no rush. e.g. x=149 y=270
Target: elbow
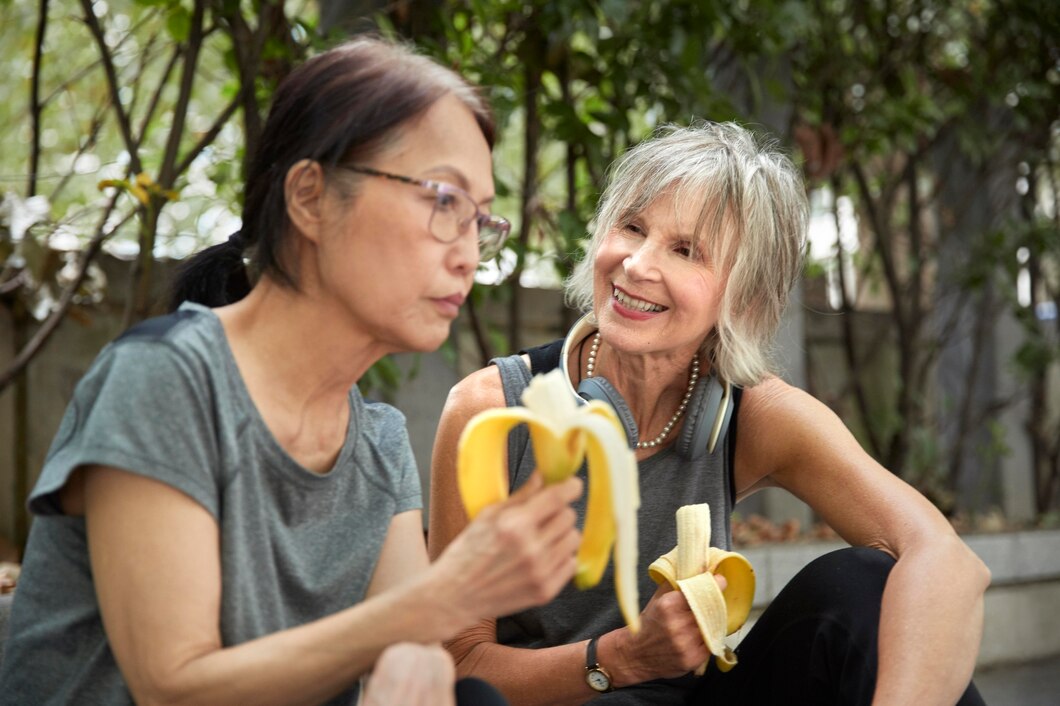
x=154 y=685
x=159 y=694
x=154 y=695
x=982 y=571
x=976 y=574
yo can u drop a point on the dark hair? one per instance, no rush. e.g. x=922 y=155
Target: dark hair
x=341 y=106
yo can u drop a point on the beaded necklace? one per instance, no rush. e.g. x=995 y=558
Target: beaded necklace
x=693 y=376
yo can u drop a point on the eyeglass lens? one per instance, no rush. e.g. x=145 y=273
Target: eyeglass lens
x=454 y=212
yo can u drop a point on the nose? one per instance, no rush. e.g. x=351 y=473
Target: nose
x=463 y=256
x=642 y=262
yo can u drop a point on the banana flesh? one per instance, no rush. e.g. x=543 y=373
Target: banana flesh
x=564 y=434
x=690 y=567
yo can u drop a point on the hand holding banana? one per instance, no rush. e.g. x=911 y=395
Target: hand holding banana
x=563 y=434
x=690 y=568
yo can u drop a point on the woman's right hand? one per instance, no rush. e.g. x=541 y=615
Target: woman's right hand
x=514 y=555
x=668 y=645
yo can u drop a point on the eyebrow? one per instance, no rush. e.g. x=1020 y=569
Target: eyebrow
x=459 y=178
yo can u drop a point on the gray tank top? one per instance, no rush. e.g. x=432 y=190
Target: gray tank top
x=667 y=481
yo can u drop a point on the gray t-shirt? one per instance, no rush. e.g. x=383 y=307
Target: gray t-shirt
x=166 y=401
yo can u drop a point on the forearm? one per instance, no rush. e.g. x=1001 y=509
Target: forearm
x=551 y=676
x=303 y=665
x=931 y=624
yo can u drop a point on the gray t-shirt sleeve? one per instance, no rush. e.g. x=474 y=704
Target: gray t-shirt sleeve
x=140 y=408
x=395 y=462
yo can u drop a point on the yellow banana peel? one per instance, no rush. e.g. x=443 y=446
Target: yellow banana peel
x=564 y=434
x=690 y=567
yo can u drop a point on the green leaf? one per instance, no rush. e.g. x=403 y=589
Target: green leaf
x=178 y=23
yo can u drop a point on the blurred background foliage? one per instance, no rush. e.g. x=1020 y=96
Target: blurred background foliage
x=928 y=131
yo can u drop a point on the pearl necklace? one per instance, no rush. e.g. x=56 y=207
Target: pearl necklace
x=693 y=376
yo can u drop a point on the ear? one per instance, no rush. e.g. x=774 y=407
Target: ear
x=304 y=188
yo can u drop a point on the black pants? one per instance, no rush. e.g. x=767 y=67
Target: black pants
x=816 y=643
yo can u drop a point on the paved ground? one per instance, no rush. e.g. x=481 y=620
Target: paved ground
x=1031 y=684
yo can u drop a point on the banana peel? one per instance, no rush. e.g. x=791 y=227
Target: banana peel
x=690 y=567
x=564 y=433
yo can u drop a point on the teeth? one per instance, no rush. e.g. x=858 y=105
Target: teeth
x=636 y=304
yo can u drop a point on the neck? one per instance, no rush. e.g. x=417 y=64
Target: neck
x=300 y=345
x=650 y=407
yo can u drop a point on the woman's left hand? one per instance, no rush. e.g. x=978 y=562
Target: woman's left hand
x=412 y=675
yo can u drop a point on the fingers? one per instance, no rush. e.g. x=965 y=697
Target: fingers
x=662 y=590
x=669 y=643
x=412 y=674
x=566 y=491
x=524 y=492
x=558 y=526
x=553 y=498
x=723 y=583
x=536 y=498
x=559 y=540
x=518 y=553
x=544 y=529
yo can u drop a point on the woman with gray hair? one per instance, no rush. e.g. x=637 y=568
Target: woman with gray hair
x=697 y=243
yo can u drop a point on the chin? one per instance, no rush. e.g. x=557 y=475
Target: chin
x=427 y=341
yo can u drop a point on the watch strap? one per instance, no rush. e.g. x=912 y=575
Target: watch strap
x=590 y=654
x=593 y=667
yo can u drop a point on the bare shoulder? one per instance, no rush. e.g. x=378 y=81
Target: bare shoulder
x=782 y=426
x=480 y=390
x=774 y=401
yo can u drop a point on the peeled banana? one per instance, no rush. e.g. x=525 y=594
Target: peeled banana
x=563 y=434
x=690 y=568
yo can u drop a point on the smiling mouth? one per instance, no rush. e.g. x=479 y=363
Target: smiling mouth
x=636 y=304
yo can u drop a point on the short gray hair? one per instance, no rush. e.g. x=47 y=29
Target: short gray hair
x=753 y=216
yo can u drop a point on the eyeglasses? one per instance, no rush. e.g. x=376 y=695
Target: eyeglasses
x=454 y=211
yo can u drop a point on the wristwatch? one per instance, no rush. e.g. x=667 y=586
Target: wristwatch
x=595 y=676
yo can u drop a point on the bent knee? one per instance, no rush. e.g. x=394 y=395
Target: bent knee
x=850 y=575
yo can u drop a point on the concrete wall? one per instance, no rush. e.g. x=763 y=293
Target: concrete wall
x=1021 y=616
x=53 y=375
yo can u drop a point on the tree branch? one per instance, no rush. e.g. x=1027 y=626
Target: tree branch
x=36 y=108
x=152 y=106
x=167 y=174
x=112 y=83
x=88 y=143
x=881 y=231
x=213 y=132
x=849 y=343
x=58 y=314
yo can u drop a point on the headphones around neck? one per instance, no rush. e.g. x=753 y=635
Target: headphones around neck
x=706 y=418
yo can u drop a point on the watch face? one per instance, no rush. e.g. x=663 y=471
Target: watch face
x=598 y=680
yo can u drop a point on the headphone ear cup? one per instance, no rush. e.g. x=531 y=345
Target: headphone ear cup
x=598 y=388
x=702 y=417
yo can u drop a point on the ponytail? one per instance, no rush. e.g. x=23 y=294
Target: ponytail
x=214 y=277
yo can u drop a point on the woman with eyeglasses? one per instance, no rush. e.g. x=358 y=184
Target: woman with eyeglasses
x=222 y=519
